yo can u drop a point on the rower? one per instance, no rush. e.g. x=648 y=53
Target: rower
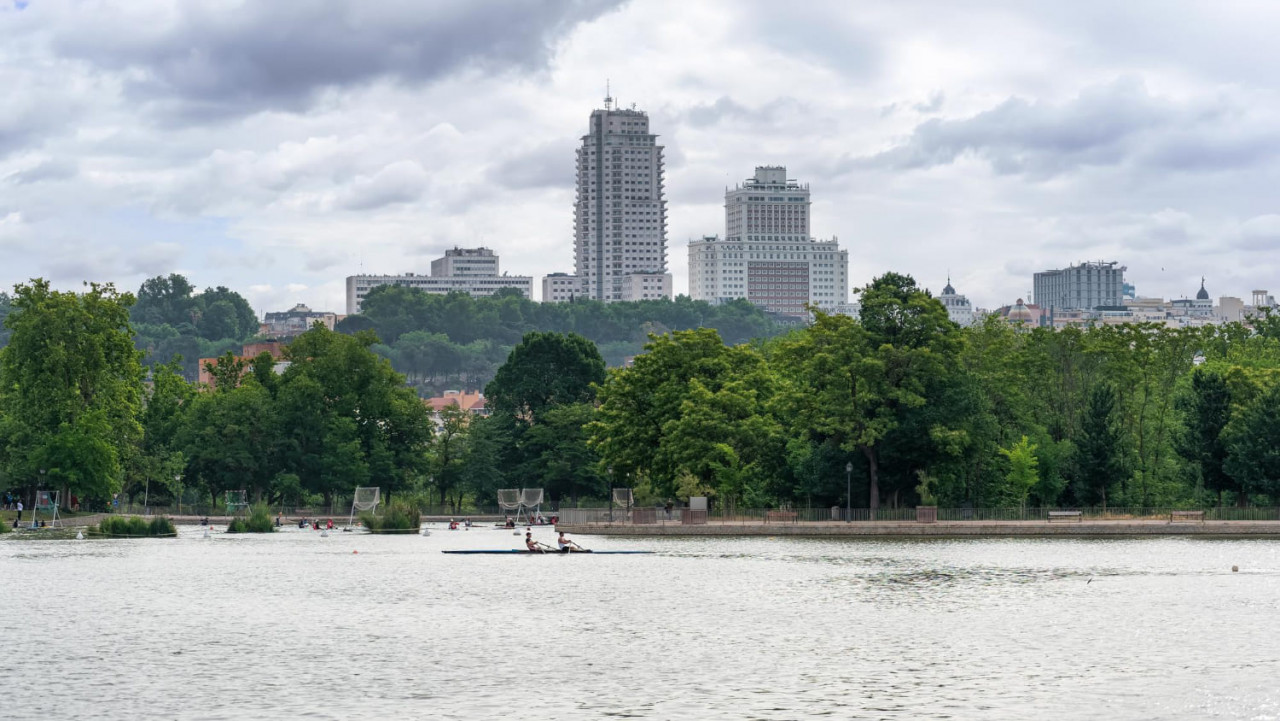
x=510 y=522
x=531 y=544
x=566 y=545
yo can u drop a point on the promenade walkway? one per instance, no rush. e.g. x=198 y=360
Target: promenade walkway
x=940 y=529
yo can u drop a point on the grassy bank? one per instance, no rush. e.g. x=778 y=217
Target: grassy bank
x=398 y=518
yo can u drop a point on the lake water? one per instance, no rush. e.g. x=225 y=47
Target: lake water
x=295 y=625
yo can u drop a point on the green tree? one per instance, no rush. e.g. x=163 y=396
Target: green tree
x=1098 y=451
x=1023 y=472
x=1207 y=408
x=390 y=423
x=556 y=454
x=447 y=450
x=546 y=370
x=641 y=405
x=70 y=389
x=1253 y=446
x=854 y=381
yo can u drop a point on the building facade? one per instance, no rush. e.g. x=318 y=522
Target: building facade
x=767 y=255
x=296 y=320
x=620 y=214
x=1080 y=287
x=466 y=262
x=959 y=309
x=560 y=288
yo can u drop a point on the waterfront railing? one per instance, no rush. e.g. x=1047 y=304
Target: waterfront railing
x=640 y=516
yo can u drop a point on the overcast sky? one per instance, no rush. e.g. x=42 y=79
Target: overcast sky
x=277 y=147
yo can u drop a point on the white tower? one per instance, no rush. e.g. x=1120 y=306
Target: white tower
x=620 y=216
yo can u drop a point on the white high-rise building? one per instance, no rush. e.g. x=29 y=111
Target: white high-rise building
x=767 y=255
x=620 y=216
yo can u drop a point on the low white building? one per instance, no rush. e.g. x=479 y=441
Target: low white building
x=781 y=276
x=561 y=288
x=461 y=270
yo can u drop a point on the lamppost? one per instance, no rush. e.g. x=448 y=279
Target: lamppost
x=609 y=470
x=35 y=502
x=146 y=496
x=177 y=483
x=848 y=492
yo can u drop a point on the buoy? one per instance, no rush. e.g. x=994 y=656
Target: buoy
x=324 y=534
x=355 y=551
x=1235 y=569
x=79 y=536
x=206 y=532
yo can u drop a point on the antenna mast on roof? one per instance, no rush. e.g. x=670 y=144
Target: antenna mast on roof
x=608 y=97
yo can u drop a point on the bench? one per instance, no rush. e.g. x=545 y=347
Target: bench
x=1064 y=515
x=780 y=516
x=1186 y=516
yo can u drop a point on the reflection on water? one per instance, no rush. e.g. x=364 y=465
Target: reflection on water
x=298 y=625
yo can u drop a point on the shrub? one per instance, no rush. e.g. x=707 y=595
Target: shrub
x=4 y=528
x=135 y=527
x=399 y=517
x=259 y=521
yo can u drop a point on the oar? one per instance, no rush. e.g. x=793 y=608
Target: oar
x=546 y=547
x=580 y=548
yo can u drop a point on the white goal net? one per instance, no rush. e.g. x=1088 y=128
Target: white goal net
x=237 y=501
x=509 y=499
x=366 y=498
x=622 y=497
x=531 y=497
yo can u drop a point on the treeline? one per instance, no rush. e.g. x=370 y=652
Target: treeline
x=901 y=404
x=929 y=413
x=171 y=320
x=456 y=340
x=77 y=416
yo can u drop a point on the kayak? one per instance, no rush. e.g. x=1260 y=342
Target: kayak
x=546 y=553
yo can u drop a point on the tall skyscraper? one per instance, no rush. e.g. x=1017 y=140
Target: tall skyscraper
x=620 y=216
x=767 y=255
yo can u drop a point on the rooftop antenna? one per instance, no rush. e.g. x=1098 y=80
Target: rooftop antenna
x=608 y=96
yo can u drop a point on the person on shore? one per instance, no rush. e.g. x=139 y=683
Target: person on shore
x=531 y=544
x=19 y=510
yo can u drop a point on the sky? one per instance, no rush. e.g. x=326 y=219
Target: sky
x=278 y=147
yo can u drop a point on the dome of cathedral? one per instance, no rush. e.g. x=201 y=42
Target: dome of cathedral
x=1203 y=294
x=1019 y=313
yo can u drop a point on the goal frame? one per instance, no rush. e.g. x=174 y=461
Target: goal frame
x=358 y=505
x=234 y=507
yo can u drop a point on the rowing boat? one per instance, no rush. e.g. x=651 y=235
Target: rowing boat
x=548 y=553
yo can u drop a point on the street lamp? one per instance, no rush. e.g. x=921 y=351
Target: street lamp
x=146 y=495
x=848 y=492
x=177 y=483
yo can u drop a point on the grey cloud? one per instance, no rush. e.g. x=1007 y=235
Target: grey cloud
x=200 y=60
x=725 y=109
x=1036 y=138
x=57 y=169
x=547 y=166
x=401 y=182
x=153 y=259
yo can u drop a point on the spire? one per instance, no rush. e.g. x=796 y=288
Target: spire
x=1203 y=294
x=948 y=290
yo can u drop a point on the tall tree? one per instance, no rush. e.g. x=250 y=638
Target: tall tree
x=70 y=389
x=546 y=370
x=854 y=380
x=1253 y=445
x=1207 y=408
x=1098 y=451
